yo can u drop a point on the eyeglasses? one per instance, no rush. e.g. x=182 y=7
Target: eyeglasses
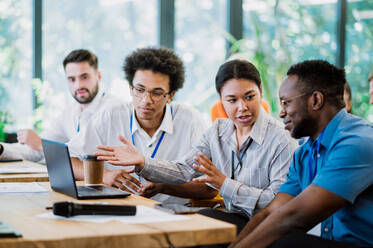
x=285 y=102
x=155 y=95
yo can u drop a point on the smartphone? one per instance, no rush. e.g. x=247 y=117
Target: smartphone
x=175 y=208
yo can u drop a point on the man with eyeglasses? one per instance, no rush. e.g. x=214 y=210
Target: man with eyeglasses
x=156 y=126
x=329 y=180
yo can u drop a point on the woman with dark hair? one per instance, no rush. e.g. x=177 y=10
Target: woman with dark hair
x=246 y=156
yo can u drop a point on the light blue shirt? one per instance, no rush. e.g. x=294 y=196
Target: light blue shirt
x=344 y=167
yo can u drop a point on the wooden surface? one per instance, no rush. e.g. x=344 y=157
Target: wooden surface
x=23 y=177
x=20 y=210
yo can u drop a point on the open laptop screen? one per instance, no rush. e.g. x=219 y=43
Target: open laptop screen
x=59 y=167
x=62 y=178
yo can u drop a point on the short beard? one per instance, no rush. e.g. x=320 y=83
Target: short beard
x=306 y=127
x=91 y=96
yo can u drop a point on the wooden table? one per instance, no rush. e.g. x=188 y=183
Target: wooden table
x=20 y=210
x=23 y=177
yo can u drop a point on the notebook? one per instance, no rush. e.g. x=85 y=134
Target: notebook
x=62 y=178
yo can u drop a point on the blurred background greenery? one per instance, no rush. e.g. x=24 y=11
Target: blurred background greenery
x=275 y=34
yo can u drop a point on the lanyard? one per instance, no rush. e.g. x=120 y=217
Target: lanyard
x=159 y=141
x=311 y=171
x=78 y=127
x=234 y=168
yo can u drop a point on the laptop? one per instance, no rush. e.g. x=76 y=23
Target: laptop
x=62 y=178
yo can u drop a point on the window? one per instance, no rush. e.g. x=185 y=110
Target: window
x=15 y=61
x=278 y=34
x=111 y=29
x=200 y=43
x=359 y=53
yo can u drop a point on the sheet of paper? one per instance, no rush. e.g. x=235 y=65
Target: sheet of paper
x=150 y=215
x=143 y=215
x=7 y=188
x=22 y=168
x=86 y=218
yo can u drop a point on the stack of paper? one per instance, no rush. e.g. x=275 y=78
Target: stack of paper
x=9 y=188
x=22 y=168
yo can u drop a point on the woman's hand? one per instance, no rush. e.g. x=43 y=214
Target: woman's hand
x=121 y=155
x=213 y=174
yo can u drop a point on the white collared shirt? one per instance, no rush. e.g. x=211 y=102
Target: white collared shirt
x=182 y=127
x=143 y=141
x=62 y=128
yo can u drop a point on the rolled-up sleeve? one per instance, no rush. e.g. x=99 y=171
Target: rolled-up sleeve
x=19 y=151
x=176 y=172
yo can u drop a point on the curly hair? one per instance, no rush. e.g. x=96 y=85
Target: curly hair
x=320 y=75
x=238 y=69
x=81 y=55
x=161 y=60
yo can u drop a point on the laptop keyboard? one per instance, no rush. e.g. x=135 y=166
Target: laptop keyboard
x=87 y=191
x=91 y=188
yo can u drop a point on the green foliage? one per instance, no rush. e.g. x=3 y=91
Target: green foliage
x=5 y=120
x=8 y=53
x=359 y=52
x=15 y=58
x=289 y=32
x=41 y=91
x=260 y=60
x=285 y=33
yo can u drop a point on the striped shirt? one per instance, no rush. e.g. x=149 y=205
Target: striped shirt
x=265 y=163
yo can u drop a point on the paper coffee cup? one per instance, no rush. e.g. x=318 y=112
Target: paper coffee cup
x=93 y=170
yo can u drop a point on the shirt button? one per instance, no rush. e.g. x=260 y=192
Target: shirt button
x=318 y=155
x=326 y=229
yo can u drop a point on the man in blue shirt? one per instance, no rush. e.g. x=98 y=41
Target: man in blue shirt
x=330 y=178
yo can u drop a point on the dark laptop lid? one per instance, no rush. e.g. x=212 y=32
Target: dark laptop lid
x=59 y=167
x=61 y=175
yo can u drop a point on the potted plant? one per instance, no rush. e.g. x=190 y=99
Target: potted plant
x=5 y=120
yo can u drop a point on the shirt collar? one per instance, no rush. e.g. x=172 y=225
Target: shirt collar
x=257 y=132
x=167 y=124
x=332 y=126
x=227 y=131
x=260 y=127
x=328 y=131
